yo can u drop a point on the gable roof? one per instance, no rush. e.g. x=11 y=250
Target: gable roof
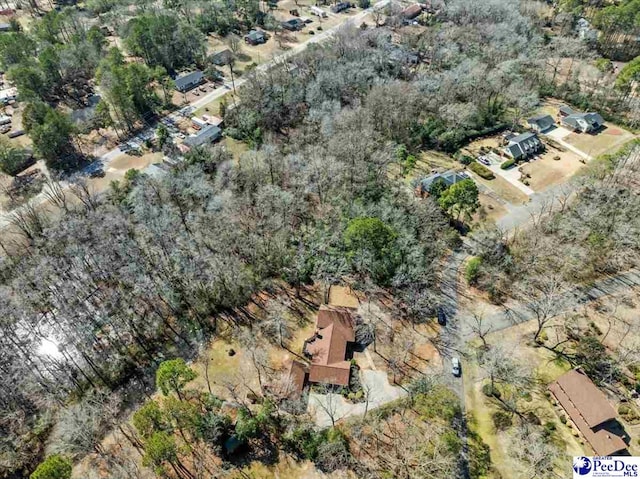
x=592 y=119
x=588 y=409
x=523 y=137
x=328 y=348
x=208 y=133
x=188 y=79
x=541 y=121
x=297 y=376
x=589 y=401
x=222 y=57
x=566 y=110
x=255 y=35
x=515 y=150
x=449 y=177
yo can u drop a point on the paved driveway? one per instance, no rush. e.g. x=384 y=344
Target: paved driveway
x=558 y=133
x=323 y=406
x=512 y=175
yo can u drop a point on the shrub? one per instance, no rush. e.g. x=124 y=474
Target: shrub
x=549 y=428
x=53 y=467
x=556 y=158
x=472 y=271
x=531 y=418
x=501 y=420
x=14 y=160
x=508 y=164
x=482 y=171
x=489 y=391
x=465 y=159
x=623 y=409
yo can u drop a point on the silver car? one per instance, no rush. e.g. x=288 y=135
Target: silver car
x=455 y=367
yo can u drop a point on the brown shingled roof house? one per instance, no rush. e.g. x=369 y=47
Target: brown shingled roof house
x=327 y=350
x=591 y=412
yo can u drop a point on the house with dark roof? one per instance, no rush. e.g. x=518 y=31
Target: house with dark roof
x=582 y=122
x=565 y=110
x=523 y=146
x=207 y=134
x=541 y=123
x=450 y=177
x=293 y=25
x=590 y=411
x=255 y=37
x=327 y=351
x=340 y=7
x=189 y=81
x=221 y=58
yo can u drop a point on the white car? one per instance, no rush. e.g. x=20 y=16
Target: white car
x=455 y=367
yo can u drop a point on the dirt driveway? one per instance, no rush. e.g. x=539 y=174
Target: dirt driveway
x=375 y=383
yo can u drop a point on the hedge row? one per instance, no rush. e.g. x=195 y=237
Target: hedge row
x=482 y=171
x=508 y=164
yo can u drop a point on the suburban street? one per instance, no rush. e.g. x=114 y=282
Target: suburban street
x=104 y=160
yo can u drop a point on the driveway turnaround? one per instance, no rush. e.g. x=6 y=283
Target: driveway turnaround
x=512 y=175
x=376 y=385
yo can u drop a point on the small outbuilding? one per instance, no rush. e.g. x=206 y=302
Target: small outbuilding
x=221 y=58
x=541 y=123
x=340 y=7
x=255 y=37
x=293 y=25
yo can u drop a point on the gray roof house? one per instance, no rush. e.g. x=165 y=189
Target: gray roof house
x=208 y=134
x=293 y=25
x=5 y=27
x=541 y=123
x=255 y=37
x=523 y=146
x=188 y=81
x=584 y=122
x=566 y=110
x=221 y=58
x=449 y=177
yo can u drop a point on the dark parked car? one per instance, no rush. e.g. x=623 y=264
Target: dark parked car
x=97 y=173
x=442 y=317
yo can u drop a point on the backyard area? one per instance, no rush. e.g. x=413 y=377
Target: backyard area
x=608 y=140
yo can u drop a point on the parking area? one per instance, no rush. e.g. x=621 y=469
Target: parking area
x=190 y=96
